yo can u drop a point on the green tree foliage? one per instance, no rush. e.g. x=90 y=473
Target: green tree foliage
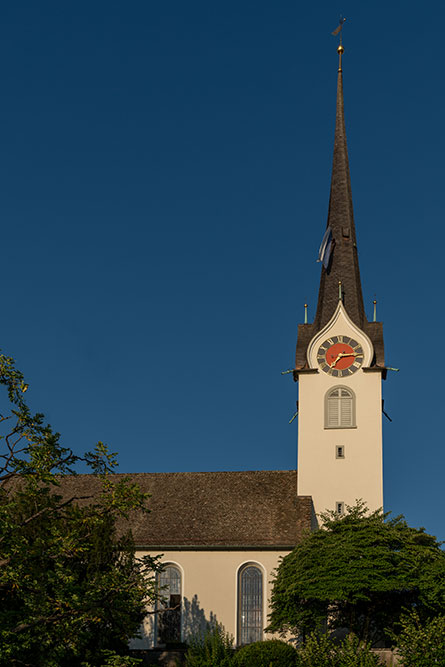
x=320 y=651
x=212 y=649
x=316 y=651
x=110 y=658
x=358 y=571
x=271 y=653
x=70 y=587
x=421 y=644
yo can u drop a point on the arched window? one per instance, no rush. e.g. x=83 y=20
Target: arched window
x=340 y=408
x=250 y=604
x=169 y=621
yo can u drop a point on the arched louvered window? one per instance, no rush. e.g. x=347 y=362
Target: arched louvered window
x=340 y=408
x=169 y=621
x=250 y=605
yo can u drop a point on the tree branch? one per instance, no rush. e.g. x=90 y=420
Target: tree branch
x=56 y=508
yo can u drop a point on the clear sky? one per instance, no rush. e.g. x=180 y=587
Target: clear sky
x=165 y=171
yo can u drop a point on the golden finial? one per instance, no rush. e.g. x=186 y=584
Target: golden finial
x=375 y=311
x=340 y=51
x=305 y=313
x=339 y=291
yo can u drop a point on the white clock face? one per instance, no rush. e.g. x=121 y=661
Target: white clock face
x=340 y=356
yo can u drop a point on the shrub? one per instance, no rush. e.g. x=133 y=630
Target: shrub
x=354 y=653
x=320 y=651
x=213 y=649
x=270 y=653
x=112 y=659
x=422 y=645
x=317 y=650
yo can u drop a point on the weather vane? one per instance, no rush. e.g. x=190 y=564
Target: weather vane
x=340 y=49
x=339 y=28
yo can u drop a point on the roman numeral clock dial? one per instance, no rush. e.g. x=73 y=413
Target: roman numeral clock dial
x=340 y=356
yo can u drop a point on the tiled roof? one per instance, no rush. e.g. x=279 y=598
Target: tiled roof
x=244 y=509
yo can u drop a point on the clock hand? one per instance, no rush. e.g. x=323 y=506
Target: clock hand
x=334 y=362
x=343 y=354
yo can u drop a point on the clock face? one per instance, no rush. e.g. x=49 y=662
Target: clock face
x=340 y=356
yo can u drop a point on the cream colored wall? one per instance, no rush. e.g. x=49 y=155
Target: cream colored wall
x=209 y=588
x=360 y=474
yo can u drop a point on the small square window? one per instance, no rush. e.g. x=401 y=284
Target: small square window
x=339 y=451
x=340 y=507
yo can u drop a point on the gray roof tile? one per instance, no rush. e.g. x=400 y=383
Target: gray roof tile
x=243 y=509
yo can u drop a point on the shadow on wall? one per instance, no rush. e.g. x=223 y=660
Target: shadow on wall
x=146 y=634
x=194 y=620
x=162 y=629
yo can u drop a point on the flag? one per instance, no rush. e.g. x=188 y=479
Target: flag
x=326 y=247
x=339 y=27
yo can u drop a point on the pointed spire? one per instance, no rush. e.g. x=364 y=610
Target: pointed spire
x=343 y=266
x=341 y=280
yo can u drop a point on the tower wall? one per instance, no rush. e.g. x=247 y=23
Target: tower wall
x=322 y=473
x=359 y=474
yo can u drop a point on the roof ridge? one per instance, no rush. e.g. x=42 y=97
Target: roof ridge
x=181 y=472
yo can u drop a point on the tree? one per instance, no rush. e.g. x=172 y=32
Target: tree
x=358 y=571
x=71 y=590
x=421 y=645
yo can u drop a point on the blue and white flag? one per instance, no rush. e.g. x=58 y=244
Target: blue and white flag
x=324 y=254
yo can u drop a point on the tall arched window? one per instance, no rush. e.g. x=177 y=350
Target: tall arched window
x=169 y=621
x=250 y=604
x=340 y=408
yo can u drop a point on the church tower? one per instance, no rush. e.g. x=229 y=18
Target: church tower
x=340 y=363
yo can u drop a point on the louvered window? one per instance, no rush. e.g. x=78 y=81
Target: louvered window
x=340 y=408
x=250 y=605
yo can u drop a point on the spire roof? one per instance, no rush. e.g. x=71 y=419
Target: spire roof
x=343 y=266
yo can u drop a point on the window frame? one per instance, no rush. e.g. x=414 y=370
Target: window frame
x=157 y=629
x=340 y=507
x=340 y=452
x=328 y=397
x=239 y=603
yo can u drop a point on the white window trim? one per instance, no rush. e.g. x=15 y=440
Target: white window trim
x=326 y=399
x=179 y=567
x=242 y=566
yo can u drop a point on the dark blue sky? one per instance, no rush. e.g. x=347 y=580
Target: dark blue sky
x=165 y=172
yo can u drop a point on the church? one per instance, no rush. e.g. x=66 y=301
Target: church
x=222 y=534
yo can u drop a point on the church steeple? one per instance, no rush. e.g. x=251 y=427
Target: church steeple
x=343 y=264
x=340 y=363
